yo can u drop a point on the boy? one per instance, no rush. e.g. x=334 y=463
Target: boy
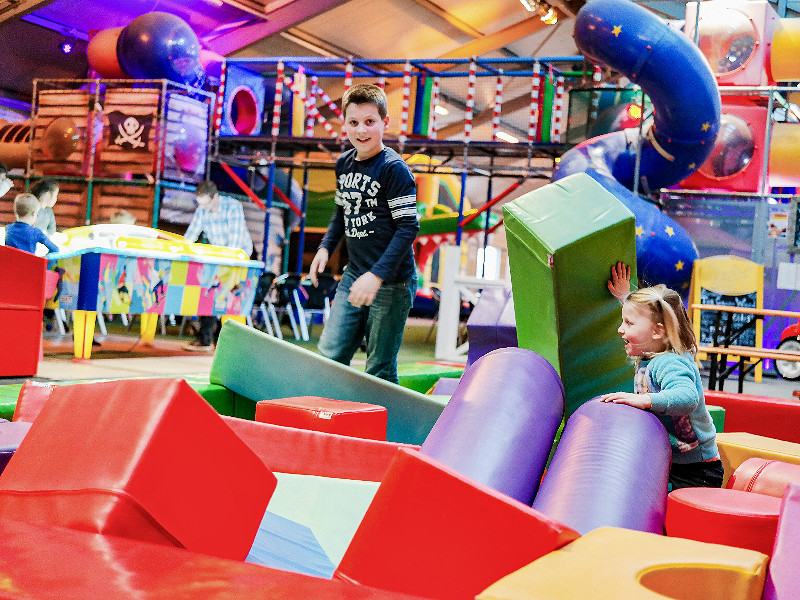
x=23 y=234
x=46 y=191
x=221 y=219
x=376 y=212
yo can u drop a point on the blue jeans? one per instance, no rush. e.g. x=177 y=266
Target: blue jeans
x=383 y=324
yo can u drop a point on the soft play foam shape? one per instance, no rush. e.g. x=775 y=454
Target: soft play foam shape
x=39 y=562
x=610 y=469
x=782 y=580
x=261 y=367
x=11 y=435
x=563 y=239
x=357 y=419
x=611 y=563
x=777 y=418
x=723 y=516
x=422 y=376
x=737 y=447
x=146 y=459
x=31 y=399
x=433 y=532
x=491 y=325
x=764 y=476
x=501 y=421
x=21 y=305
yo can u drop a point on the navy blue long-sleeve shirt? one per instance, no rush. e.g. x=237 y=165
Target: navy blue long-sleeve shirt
x=25 y=237
x=376 y=212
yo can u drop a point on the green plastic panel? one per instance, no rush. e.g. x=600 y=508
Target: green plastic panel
x=258 y=366
x=563 y=239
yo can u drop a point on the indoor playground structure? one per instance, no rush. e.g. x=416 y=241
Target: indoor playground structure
x=288 y=475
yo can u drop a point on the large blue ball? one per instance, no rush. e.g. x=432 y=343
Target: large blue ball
x=159 y=45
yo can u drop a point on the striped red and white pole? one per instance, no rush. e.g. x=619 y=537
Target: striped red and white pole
x=595 y=103
x=434 y=106
x=348 y=74
x=382 y=80
x=498 y=105
x=312 y=110
x=220 y=100
x=278 y=102
x=536 y=81
x=473 y=75
x=311 y=101
x=327 y=100
x=406 y=102
x=558 y=120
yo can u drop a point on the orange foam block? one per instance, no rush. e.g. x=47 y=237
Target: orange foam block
x=146 y=459
x=724 y=516
x=357 y=419
x=433 y=532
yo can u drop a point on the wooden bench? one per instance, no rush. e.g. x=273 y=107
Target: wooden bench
x=719 y=357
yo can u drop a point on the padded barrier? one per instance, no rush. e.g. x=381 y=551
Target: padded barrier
x=735 y=448
x=51 y=562
x=31 y=399
x=259 y=366
x=763 y=476
x=146 y=459
x=611 y=563
x=610 y=469
x=499 y=425
x=305 y=452
x=422 y=376
x=563 y=240
x=433 y=532
x=777 y=418
x=491 y=324
x=782 y=580
x=723 y=516
x=356 y=419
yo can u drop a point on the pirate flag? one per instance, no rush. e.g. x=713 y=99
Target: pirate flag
x=129 y=132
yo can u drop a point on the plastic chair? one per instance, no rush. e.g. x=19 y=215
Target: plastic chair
x=262 y=304
x=319 y=298
x=288 y=290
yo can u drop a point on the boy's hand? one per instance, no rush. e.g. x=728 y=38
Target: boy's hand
x=318 y=265
x=620 y=283
x=642 y=401
x=363 y=290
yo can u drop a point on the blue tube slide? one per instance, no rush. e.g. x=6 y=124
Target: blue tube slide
x=676 y=76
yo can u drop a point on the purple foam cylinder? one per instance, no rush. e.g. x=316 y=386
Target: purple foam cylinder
x=611 y=468
x=500 y=424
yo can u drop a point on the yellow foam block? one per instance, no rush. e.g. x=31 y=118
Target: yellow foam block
x=613 y=563
x=737 y=447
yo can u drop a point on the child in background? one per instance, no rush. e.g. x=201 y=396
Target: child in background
x=659 y=337
x=46 y=191
x=376 y=212
x=23 y=234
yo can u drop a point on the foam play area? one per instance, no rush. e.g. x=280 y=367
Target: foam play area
x=493 y=470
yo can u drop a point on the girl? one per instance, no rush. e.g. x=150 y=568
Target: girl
x=659 y=337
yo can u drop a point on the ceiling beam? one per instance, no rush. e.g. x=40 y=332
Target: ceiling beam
x=17 y=8
x=283 y=16
x=490 y=43
x=454 y=21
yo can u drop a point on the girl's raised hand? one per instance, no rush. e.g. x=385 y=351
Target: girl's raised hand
x=620 y=283
x=642 y=401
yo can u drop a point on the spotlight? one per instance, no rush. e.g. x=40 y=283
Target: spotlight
x=67 y=47
x=549 y=16
x=507 y=137
x=441 y=110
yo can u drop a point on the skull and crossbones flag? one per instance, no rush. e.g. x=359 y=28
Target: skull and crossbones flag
x=129 y=132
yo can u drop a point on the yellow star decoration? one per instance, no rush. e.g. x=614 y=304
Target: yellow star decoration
x=617 y=30
x=692 y=166
x=670 y=231
x=639 y=231
x=706 y=125
x=679 y=265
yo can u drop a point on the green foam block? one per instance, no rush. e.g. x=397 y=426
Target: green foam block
x=717 y=416
x=421 y=377
x=563 y=240
x=219 y=397
x=258 y=366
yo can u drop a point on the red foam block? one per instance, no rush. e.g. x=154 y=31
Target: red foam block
x=306 y=452
x=63 y=564
x=357 y=419
x=764 y=476
x=146 y=459
x=433 y=532
x=723 y=516
x=777 y=418
x=31 y=399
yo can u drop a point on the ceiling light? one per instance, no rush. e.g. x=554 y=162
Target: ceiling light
x=440 y=110
x=550 y=17
x=529 y=5
x=507 y=137
x=67 y=47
